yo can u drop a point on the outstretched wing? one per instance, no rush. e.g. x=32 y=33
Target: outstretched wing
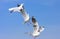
x=41 y=28
x=14 y=9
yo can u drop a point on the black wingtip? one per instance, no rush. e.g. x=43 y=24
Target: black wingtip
x=18 y=5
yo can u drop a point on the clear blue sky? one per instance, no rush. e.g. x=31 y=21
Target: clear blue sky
x=47 y=13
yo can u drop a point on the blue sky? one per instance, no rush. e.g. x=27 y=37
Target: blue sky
x=47 y=13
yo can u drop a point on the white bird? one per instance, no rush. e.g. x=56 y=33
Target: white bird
x=37 y=29
x=20 y=8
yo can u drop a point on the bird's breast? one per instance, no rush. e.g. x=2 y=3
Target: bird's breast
x=36 y=34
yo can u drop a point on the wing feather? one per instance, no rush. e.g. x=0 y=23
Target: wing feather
x=24 y=14
x=14 y=9
x=41 y=28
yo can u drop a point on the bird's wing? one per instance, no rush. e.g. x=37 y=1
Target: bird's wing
x=24 y=14
x=22 y=10
x=41 y=28
x=14 y=9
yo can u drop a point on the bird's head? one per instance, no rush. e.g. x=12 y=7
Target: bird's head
x=33 y=19
x=18 y=5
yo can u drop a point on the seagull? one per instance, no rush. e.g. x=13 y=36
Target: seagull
x=20 y=9
x=37 y=29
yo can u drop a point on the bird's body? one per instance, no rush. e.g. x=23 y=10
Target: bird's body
x=35 y=32
x=20 y=9
x=25 y=15
x=37 y=29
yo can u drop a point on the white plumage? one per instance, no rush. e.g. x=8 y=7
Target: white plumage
x=36 y=29
x=16 y=9
x=20 y=8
